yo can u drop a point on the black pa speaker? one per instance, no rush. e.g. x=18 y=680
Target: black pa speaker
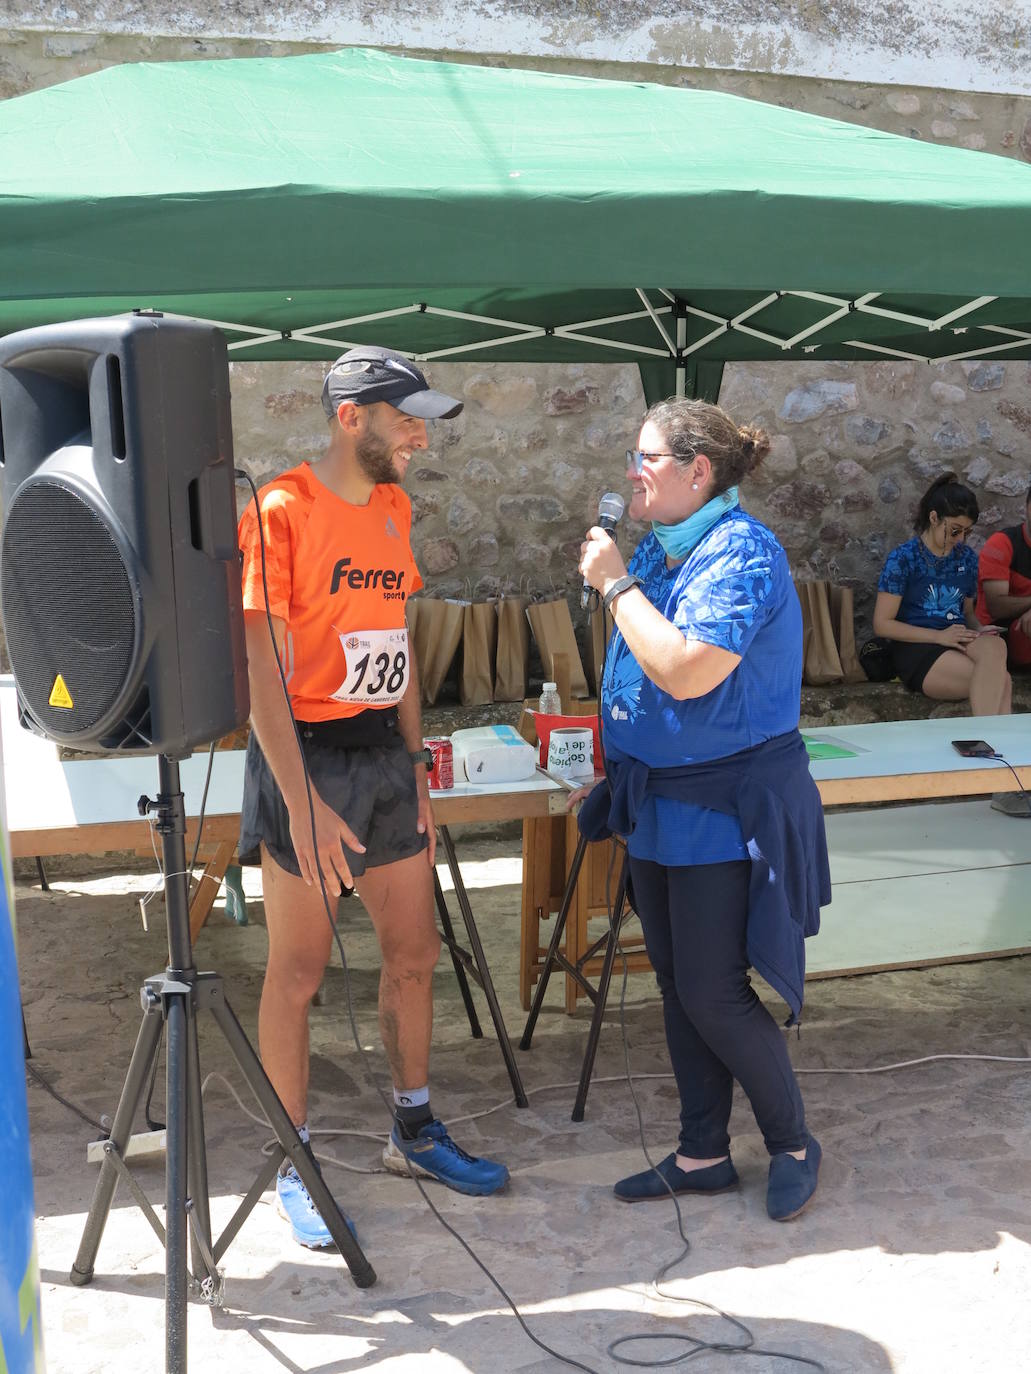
x=119 y=564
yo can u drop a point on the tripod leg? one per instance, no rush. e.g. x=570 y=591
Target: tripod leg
x=556 y=940
x=362 y=1271
x=133 y=1091
x=602 y=995
x=176 y=1165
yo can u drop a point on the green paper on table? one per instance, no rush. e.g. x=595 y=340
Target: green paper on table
x=820 y=750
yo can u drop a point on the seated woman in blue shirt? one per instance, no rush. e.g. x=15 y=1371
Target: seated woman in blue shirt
x=925 y=606
x=700 y=700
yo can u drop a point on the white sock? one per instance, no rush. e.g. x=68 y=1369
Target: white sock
x=411 y=1097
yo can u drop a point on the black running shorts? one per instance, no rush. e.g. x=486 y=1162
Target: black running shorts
x=372 y=789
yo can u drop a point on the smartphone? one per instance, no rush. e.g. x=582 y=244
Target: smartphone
x=973 y=748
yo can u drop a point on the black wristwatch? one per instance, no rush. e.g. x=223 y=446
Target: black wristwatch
x=421 y=756
x=623 y=585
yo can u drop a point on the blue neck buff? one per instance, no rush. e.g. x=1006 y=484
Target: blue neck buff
x=678 y=540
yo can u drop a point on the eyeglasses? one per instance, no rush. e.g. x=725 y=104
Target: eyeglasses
x=635 y=459
x=959 y=531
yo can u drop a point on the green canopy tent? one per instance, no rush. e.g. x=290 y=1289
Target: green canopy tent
x=309 y=203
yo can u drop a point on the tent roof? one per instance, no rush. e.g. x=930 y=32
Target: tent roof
x=307 y=203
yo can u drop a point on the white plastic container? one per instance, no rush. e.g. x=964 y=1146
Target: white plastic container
x=493 y=753
x=550 y=703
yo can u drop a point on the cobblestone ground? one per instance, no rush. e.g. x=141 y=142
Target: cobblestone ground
x=913 y=1258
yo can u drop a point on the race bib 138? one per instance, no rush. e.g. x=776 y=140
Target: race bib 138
x=377 y=667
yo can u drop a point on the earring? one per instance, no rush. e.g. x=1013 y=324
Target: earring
x=694 y=486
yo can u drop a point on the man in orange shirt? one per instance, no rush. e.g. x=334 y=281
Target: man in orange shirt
x=1004 y=586
x=339 y=568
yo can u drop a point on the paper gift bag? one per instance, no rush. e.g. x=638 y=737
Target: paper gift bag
x=513 y=651
x=821 y=663
x=479 y=649
x=552 y=627
x=599 y=632
x=437 y=634
x=843 y=620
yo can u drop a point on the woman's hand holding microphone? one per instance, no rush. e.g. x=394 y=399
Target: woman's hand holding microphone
x=601 y=562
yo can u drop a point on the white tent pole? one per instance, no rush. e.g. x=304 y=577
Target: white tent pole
x=681 y=341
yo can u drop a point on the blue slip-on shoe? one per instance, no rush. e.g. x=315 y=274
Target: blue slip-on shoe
x=433 y=1154
x=293 y=1201
x=792 y=1182
x=667 y=1177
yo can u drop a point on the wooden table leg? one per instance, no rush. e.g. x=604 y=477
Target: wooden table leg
x=536 y=900
x=210 y=882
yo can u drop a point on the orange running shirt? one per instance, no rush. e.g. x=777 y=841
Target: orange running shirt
x=339 y=575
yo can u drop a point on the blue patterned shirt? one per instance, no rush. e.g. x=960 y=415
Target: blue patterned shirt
x=733 y=590
x=932 y=589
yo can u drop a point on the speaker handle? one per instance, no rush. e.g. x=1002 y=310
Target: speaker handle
x=212 y=529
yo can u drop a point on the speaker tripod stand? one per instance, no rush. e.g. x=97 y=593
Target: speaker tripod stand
x=171 y=1003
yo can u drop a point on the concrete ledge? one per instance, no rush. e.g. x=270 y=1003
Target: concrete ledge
x=865 y=702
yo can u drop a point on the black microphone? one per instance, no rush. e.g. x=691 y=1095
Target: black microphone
x=610 y=512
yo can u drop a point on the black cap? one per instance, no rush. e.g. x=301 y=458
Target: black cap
x=368 y=374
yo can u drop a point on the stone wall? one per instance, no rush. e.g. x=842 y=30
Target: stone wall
x=503 y=495
x=960 y=44
x=855 y=446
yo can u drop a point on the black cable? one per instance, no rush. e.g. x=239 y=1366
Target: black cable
x=696 y=1345
x=200 y=815
x=1023 y=792
x=49 y=1087
x=366 y=1061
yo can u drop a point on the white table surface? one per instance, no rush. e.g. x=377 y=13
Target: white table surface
x=897 y=747
x=42 y=792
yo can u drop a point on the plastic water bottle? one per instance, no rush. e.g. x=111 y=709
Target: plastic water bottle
x=550 y=703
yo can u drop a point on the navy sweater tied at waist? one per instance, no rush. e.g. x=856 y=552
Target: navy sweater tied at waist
x=771 y=791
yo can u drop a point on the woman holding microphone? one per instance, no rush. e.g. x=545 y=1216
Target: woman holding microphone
x=708 y=780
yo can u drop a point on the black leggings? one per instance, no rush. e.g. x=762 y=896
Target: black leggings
x=694 y=921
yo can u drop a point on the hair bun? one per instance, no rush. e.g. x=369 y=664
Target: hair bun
x=755 y=444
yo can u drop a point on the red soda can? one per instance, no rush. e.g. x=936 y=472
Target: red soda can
x=442 y=771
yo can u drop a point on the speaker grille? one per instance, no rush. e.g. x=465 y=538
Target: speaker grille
x=69 y=607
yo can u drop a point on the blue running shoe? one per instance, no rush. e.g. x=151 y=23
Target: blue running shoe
x=433 y=1154
x=293 y=1201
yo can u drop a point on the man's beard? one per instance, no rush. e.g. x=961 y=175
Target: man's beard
x=374 y=459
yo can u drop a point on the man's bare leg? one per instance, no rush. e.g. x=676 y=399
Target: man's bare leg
x=299 y=942
x=399 y=900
